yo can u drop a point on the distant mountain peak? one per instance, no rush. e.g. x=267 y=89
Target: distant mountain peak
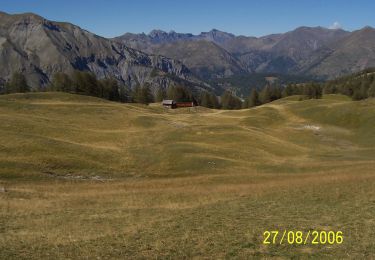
x=368 y=28
x=156 y=33
x=218 y=32
x=365 y=32
x=216 y=36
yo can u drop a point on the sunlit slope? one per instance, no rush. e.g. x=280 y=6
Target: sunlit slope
x=57 y=133
x=87 y=178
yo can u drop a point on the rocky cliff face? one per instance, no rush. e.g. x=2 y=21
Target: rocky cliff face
x=39 y=48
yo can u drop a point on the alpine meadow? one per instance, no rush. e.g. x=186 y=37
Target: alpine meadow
x=171 y=145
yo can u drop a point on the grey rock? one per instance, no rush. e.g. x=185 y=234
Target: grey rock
x=39 y=48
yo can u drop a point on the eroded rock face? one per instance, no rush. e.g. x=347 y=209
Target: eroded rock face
x=39 y=48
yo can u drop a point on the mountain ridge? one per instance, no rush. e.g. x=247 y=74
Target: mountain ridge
x=40 y=47
x=293 y=52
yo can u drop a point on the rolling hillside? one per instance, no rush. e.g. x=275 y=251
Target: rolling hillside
x=87 y=177
x=114 y=139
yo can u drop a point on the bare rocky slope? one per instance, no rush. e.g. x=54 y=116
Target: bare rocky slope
x=352 y=53
x=39 y=48
x=203 y=53
x=313 y=51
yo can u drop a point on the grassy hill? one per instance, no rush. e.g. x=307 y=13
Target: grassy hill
x=87 y=177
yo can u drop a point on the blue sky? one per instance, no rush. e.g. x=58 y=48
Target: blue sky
x=253 y=18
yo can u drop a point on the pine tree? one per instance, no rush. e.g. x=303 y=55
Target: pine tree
x=147 y=94
x=265 y=95
x=213 y=100
x=228 y=101
x=182 y=94
x=357 y=95
x=86 y=83
x=136 y=94
x=125 y=94
x=91 y=84
x=17 y=84
x=317 y=91
x=78 y=81
x=288 y=90
x=61 y=82
x=330 y=88
x=253 y=99
x=205 y=99
x=225 y=100
x=245 y=104
x=365 y=85
x=312 y=90
x=348 y=88
x=114 y=93
x=171 y=92
x=308 y=91
x=160 y=95
x=276 y=92
x=142 y=94
x=109 y=89
x=371 y=90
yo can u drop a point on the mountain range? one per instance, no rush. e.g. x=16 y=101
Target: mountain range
x=313 y=51
x=39 y=48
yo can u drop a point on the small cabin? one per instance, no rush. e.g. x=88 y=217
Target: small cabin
x=174 y=104
x=184 y=104
x=169 y=103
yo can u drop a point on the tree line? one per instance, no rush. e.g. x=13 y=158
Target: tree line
x=358 y=86
x=86 y=83
x=17 y=84
x=271 y=93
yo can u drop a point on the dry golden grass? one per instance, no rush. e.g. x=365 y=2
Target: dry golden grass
x=87 y=178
